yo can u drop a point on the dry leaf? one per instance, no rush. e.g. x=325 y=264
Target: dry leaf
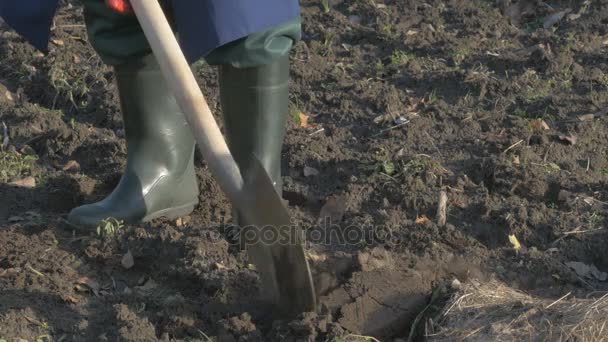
x=586 y=117
x=516 y=160
x=57 y=42
x=315 y=257
x=570 y=139
x=540 y=124
x=127 y=260
x=421 y=219
x=411 y=32
x=383 y=118
x=303 y=119
x=9 y=96
x=310 y=171
x=70 y=299
x=71 y=166
x=513 y=240
x=76 y=59
x=219 y=266
x=333 y=210
x=87 y=284
x=9 y=271
x=27 y=182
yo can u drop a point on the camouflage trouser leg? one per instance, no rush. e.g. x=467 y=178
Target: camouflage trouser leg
x=118 y=38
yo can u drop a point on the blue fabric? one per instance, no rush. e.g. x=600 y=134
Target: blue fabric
x=202 y=25
x=31 y=18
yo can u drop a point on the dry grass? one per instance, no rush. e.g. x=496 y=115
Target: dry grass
x=495 y=312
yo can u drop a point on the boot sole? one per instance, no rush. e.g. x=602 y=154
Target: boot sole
x=169 y=213
x=172 y=213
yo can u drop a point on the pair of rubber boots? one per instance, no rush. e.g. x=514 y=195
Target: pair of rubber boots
x=160 y=180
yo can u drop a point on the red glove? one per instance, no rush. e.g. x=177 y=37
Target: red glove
x=120 y=6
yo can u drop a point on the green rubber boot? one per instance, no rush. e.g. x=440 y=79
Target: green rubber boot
x=255 y=109
x=159 y=179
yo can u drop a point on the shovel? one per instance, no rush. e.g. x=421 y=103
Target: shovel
x=272 y=242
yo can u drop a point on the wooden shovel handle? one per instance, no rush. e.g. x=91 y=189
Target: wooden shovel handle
x=189 y=96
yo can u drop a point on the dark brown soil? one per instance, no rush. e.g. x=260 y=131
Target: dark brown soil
x=487 y=91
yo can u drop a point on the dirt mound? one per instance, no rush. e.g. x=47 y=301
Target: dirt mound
x=501 y=106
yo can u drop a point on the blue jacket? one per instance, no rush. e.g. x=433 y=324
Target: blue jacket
x=203 y=25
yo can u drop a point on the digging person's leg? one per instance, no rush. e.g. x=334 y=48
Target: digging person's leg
x=159 y=178
x=254 y=92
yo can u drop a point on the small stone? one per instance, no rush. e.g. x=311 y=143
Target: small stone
x=310 y=171
x=14 y=219
x=127 y=260
x=456 y=285
x=354 y=19
x=174 y=300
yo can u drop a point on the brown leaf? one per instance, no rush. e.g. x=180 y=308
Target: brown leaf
x=310 y=171
x=9 y=271
x=422 y=219
x=586 y=117
x=71 y=166
x=27 y=182
x=57 y=42
x=127 y=260
x=303 y=119
x=333 y=210
x=76 y=59
x=540 y=124
x=570 y=139
x=383 y=118
x=316 y=257
x=87 y=284
x=219 y=266
x=516 y=160
x=70 y=299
